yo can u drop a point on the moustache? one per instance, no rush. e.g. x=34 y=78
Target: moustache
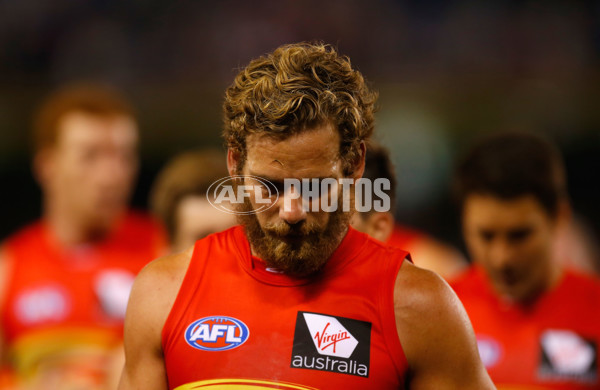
x=286 y=230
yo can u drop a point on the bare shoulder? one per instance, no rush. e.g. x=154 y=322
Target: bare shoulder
x=419 y=291
x=155 y=290
x=153 y=294
x=435 y=333
x=165 y=272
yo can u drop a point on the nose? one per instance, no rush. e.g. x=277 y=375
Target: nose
x=291 y=209
x=112 y=170
x=501 y=254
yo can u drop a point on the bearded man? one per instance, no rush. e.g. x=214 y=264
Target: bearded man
x=294 y=298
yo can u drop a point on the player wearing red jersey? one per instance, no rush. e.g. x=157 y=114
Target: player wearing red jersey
x=66 y=278
x=296 y=299
x=537 y=324
x=428 y=252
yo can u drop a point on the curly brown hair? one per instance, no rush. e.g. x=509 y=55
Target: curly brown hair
x=297 y=87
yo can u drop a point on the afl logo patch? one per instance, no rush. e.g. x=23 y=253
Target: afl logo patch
x=216 y=333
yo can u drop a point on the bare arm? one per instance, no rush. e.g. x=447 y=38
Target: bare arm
x=436 y=334
x=152 y=296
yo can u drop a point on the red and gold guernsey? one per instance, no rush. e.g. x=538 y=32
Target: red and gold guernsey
x=551 y=344
x=63 y=308
x=238 y=324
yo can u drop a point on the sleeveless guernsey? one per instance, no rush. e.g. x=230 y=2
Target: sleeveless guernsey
x=61 y=301
x=550 y=344
x=237 y=324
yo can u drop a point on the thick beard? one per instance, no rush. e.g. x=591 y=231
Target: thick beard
x=298 y=250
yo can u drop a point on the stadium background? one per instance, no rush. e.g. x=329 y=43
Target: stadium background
x=447 y=72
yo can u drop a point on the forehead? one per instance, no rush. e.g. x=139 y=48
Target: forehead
x=311 y=153
x=490 y=212
x=78 y=128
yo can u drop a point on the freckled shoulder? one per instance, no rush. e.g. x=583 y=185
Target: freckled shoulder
x=435 y=333
x=154 y=292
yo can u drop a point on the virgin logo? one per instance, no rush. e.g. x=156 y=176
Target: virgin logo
x=329 y=335
x=326 y=340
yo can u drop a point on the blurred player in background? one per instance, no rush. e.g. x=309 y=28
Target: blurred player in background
x=65 y=279
x=179 y=199
x=426 y=251
x=537 y=323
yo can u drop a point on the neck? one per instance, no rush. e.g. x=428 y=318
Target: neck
x=553 y=277
x=69 y=229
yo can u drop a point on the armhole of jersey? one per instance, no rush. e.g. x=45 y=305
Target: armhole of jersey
x=388 y=317
x=183 y=297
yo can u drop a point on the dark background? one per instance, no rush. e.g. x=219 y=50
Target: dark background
x=447 y=72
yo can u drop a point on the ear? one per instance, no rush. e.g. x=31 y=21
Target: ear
x=359 y=164
x=564 y=215
x=380 y=225
x=233 y=161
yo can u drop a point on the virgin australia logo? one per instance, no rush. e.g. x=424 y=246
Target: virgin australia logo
x=336 y=344
x=329 y=336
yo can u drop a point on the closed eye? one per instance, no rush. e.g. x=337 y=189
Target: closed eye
x=519 y=235
x=486 y=235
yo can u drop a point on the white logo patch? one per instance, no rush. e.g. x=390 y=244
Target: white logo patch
x=43 y=304
x=568 y=352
